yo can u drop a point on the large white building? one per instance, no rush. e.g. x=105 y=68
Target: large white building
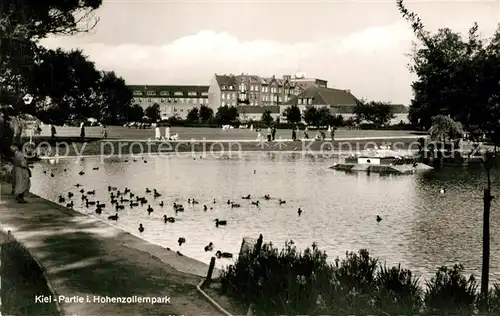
x=173 y=100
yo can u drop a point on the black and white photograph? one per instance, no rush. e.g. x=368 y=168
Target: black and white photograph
x=249 y=157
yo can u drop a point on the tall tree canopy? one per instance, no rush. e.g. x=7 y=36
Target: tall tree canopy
x=456 y=76
x=22 y=24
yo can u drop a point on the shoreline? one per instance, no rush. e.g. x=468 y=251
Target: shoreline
x=125 y=147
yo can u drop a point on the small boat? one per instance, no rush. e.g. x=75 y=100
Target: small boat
x=382 y=160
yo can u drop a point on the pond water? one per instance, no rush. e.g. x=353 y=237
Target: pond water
x=421 y=228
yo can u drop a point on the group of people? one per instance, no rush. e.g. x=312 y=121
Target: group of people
x=167 y=133
x=271 y=133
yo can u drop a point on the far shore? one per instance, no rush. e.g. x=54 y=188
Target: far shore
x=62 y=148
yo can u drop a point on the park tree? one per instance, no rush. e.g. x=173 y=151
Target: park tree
x=114 y=99
x=377 y=113
x=193 y=115
x=226 y=115
x=267 y=118
x=206 y=113
x=444 y=128
x=310 y=115
x=71 y=82
x=153 y=112
x=456 y=76
x=460 y=78
x=323 y=116
x=23 y=24
x=135 y=113
x=292 y=114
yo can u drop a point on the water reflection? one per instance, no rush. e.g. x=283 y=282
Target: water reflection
x=421 y=228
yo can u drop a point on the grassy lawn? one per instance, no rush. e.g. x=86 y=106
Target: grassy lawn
x=186 y=133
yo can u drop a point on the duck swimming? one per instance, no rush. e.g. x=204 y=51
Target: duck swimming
x=168 y=219
x=209 y=247
x=91 y=192
x=61 y=199
x=70 y=195
x=70 y=205
x=98 y=210
x=267 y=197
x=148 y=190
x=119 y=207
x=181 y=240
x=113 y=217
x=235 y=205
x=220 y=254
x=379 y=218
x=218 y=222
x=161 y=204
x=255 y=203
x=205 y=208
x=150 y=210
x=81 y=173
x=100 y=205
x=246 y=197
x=156 y=194
x=141 y=228
x=299 y=211
x=95 y=168
x=281 y=201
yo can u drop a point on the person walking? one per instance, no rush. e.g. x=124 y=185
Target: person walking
x=21 y=175
x=332 y=133
x=306 y=133
x=104 y=132
x=82 y=130
x=273 y=132
x=53 y=132
x=294 y=134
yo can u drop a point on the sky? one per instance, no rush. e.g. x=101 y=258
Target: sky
x=356 y=45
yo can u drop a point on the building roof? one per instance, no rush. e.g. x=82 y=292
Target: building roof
x=171 y=90
x=248 y=109
x=235 y=80
x=326 y=96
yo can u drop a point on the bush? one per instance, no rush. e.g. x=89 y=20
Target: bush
x=290 y=282
x=450 y=292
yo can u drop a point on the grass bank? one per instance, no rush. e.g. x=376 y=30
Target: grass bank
x=288 y=282
x=22 y=281
x=108 y=148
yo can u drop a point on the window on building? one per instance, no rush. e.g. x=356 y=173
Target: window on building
x=310 y=101
x=192 y=93
x=164 y=93
x=234 y=103
x=279 y=90
x=242 y=87
x=223 y=96
x=204 y=94
x=230 y=87
x=233 y=96
x=151 y=93
x=182 y=100
x=299 y=101
x=162 y=100
x=178 y=93
x=137 y=92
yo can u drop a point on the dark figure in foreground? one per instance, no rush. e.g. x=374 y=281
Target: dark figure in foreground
x=21 y=175
x=294 y=135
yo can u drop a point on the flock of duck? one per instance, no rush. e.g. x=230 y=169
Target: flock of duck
x=121 y=199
